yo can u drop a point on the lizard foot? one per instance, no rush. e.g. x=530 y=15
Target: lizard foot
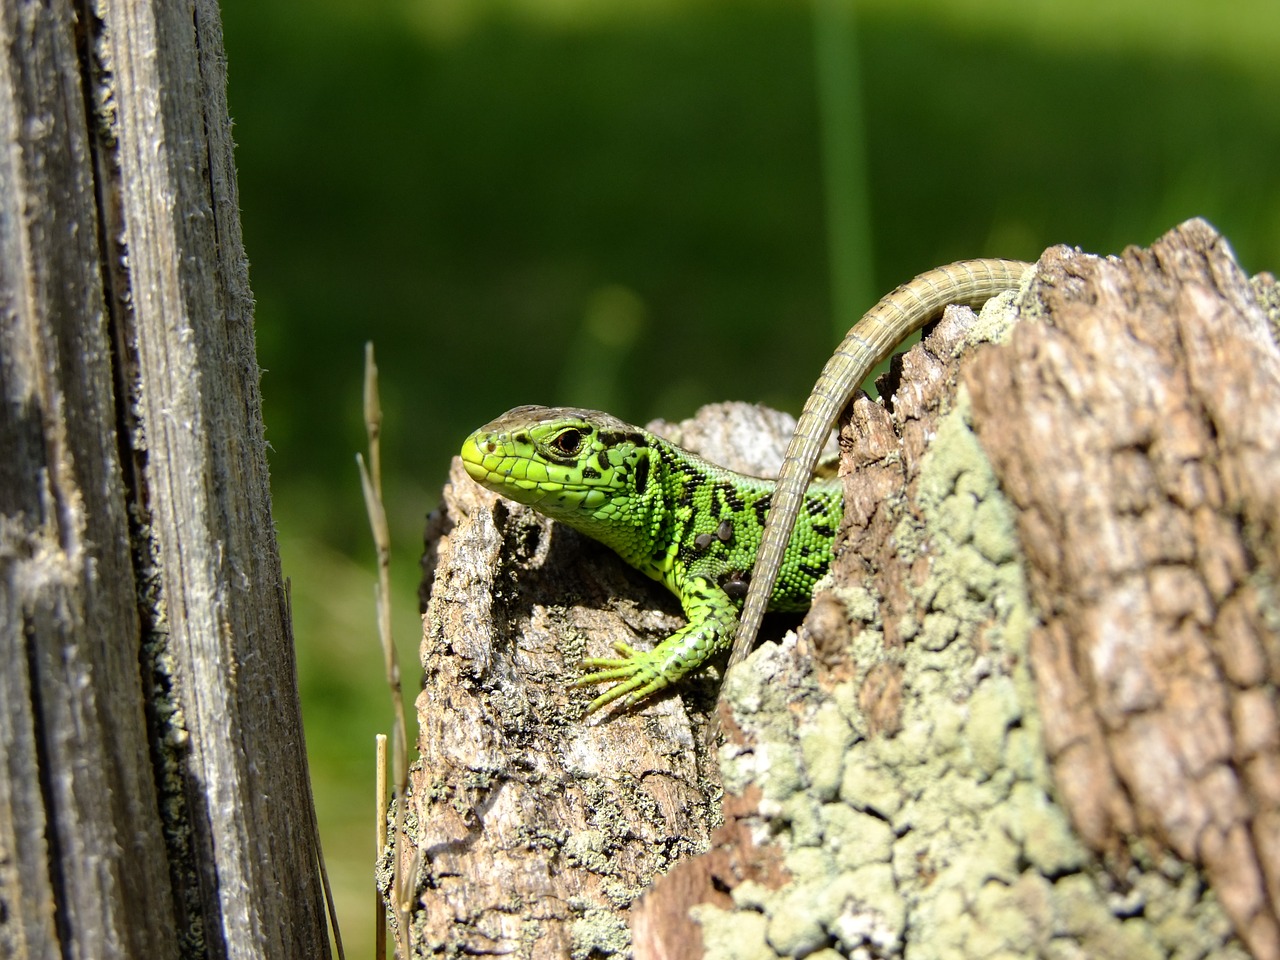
x=637 y=669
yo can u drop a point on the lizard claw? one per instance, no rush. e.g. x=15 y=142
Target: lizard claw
x=635 y=669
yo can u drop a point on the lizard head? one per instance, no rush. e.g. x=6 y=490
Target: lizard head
x=580 y=466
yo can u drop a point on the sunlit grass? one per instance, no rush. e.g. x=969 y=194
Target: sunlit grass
x=1239 y=34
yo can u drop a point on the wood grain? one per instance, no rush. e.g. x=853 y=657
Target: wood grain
x=155 y=799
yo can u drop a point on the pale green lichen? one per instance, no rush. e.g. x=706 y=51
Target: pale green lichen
x=823 y=744
x=733 y=936
x=993 y=711
x=802 y=813
x=859 y=602
x=942 y=839
x=856 y=838
x=865 y=785
x=786 y=769
x=598 y=932
x=1267 y=293
x=1042 y=830
x=796 y=926
x=587 y=848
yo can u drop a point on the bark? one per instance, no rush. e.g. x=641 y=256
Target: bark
x=155 y=801
x=1137 y=438
x=1033 y=714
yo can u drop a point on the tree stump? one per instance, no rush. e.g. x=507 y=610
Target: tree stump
x=1033 y=712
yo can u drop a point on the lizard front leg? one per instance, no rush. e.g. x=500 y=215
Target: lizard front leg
x=713 y=618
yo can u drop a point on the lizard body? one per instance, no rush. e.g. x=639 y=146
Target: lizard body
x=691 y=525
x=712 y=536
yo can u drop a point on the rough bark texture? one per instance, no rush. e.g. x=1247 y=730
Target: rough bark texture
x=154 y=800
x=1026 y=719
x=1138 y=436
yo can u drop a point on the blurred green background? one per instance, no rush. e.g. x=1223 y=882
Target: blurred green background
x=621 y=204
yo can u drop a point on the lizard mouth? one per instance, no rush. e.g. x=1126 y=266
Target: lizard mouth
x=473 y=460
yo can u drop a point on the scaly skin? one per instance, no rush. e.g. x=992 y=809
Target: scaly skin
x=692 y=525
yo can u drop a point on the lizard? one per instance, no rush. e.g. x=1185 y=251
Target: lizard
x=715 y=538
x=690 y=524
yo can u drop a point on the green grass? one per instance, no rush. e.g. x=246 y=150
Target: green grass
x=474 y=185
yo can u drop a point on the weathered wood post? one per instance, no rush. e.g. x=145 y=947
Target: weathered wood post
x=154 y=799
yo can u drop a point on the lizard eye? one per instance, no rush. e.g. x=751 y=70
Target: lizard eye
x=568 y=442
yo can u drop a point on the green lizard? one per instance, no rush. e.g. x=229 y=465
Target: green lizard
x=687 y=523
x=696 y=527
